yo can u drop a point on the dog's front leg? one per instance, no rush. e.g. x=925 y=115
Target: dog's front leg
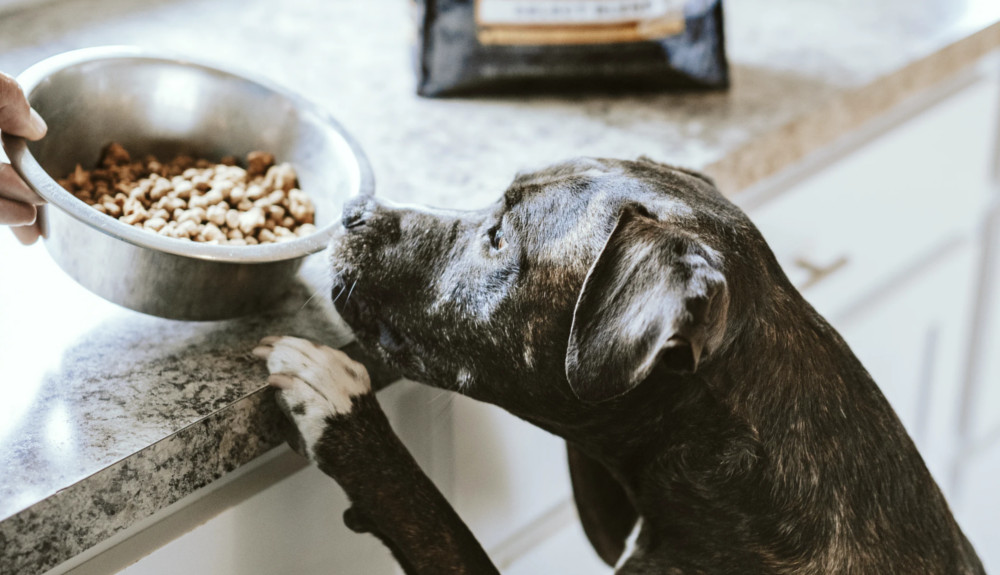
x=343 y=429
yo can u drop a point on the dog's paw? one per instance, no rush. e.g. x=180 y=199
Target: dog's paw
x=314 y=383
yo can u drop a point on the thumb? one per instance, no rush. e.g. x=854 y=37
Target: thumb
x=16 y=116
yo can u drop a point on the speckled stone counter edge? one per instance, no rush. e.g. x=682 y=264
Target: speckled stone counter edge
x=90 y=511
x=769 y=154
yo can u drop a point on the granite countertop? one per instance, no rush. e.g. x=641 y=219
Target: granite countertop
x=107 y=415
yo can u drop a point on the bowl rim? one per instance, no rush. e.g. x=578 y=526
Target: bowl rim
x=30 y=170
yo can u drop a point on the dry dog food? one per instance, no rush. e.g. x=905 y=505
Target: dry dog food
x=198 y=200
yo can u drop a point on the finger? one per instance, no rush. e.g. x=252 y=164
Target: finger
x=14 y=188
x=27 y=235
x=16 y=213
x=16 y=116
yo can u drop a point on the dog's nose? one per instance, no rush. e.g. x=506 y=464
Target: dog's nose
x=357 y=210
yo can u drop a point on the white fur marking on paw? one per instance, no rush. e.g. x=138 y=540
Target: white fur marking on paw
x=315 y=380
x=336 y=377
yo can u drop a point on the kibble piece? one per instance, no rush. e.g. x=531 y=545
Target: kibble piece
x=135 y=217
x=171 y=203
x=160 y=188
x=196 y=215
x=305 y=230
x=233 y=219
x=280 y=177
x=188 y=228
x=217 y=213
x=223 y=186
x=251 y=221
x=80 y=178
x=155 y=224
x=213 y=197
x=276 y=213
x=254 y=192
x=183 y=188
x=114 y=155
x=211 y=233
x=237 y=194
x=258 y=163
x=300 y=206
x=132 y=206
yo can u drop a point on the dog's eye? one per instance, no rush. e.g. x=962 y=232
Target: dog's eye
x=496 y=238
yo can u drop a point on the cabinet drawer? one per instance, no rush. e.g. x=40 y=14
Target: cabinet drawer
x=873 y=214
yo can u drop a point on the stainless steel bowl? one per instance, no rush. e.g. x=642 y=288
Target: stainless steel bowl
x=162 y=105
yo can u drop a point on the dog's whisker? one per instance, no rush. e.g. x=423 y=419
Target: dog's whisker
x=314 y=294
x=348 y=298
x=340 y=293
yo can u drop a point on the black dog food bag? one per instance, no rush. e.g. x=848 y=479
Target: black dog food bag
x=492 y=46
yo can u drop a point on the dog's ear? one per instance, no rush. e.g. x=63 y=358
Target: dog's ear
x=653 y=295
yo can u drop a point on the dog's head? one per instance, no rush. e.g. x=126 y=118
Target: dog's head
x=578 y=281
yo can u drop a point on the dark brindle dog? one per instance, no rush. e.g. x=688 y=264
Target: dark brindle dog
x=632 y=310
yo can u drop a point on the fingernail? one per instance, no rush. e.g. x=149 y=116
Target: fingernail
x=38 y=126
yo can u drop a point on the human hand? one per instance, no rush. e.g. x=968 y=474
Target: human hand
x=18 y=202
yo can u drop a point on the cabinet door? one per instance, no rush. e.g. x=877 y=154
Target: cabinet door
x=977 y=504
x=855 y=226
x=507 y=472
x=913 y=341
x=983 y=425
